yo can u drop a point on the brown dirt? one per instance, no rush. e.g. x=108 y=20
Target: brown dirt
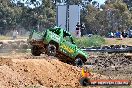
x=25 y=70
x=45 y=72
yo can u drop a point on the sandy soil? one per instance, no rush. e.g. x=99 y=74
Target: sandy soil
x=24 y=70
x=42 y=72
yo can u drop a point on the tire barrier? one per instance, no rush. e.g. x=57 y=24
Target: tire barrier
x=110 y=49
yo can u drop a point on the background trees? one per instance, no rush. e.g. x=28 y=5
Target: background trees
x=112 y=16
x=99 y=19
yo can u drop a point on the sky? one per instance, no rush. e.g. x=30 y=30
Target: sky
x=100 y=1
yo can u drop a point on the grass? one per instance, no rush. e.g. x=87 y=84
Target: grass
x=100 y=41
x=124 y=41
x=4 y=37
x=94 y=40
x=10 y=38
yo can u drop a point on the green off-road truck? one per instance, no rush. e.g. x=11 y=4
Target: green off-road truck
x=57 y=42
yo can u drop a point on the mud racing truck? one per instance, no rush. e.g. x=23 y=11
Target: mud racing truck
x=55 y=42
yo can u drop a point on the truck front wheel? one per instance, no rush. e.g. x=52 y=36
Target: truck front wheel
x=84 y=81
x=35 y=51
x=79 y=62
x=51 y=50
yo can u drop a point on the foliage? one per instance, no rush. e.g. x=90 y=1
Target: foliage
x=9 y=15
x=12 y=16
x=94 y=40
x=114 y=15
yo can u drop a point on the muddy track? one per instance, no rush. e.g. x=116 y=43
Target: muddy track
x=114 y=66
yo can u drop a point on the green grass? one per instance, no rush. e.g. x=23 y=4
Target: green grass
x=94 y=40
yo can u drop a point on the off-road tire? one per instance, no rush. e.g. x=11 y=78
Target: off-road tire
x=35 y=51
x=51 y=50
x=84 y=82
x=79 y=62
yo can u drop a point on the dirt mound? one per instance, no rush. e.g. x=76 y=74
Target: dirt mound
x=20 y=73
x=5 y=61
x=25 y=70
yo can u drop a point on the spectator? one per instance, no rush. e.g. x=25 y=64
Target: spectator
x=118 y=34
x=124 y=34
x=129 y=33
x=82 y=29
x=15 y=33
x=78 y=31
x=111 y=35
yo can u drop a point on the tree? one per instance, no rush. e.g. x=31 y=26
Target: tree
x=102 y=6
x=94 y=3
x=9 y=15
x=115 y=15
x=129 y=4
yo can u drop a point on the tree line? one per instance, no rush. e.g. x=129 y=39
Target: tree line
x=99 y=19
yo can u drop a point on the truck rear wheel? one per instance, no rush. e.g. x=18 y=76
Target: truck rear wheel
x=35 y=51
x=51 y=50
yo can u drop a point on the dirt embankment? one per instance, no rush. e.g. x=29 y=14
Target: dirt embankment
x=25 y=70
x=20 y=73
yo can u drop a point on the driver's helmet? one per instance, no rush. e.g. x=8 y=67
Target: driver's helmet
x=56 y=27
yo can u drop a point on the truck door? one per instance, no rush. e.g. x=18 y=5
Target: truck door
x=67 y=46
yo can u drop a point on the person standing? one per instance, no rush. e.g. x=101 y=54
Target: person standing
x=111 y=34
x=15 y=33
x=82 y=29
x=124 y=34
x=78 y=31
x=118 y=34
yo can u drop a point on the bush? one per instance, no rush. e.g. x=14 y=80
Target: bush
x=85 y=41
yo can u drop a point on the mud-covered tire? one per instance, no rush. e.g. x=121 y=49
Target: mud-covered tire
x=35 y=51
x=79 y=62
x=51 y=50
x=84 y=82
